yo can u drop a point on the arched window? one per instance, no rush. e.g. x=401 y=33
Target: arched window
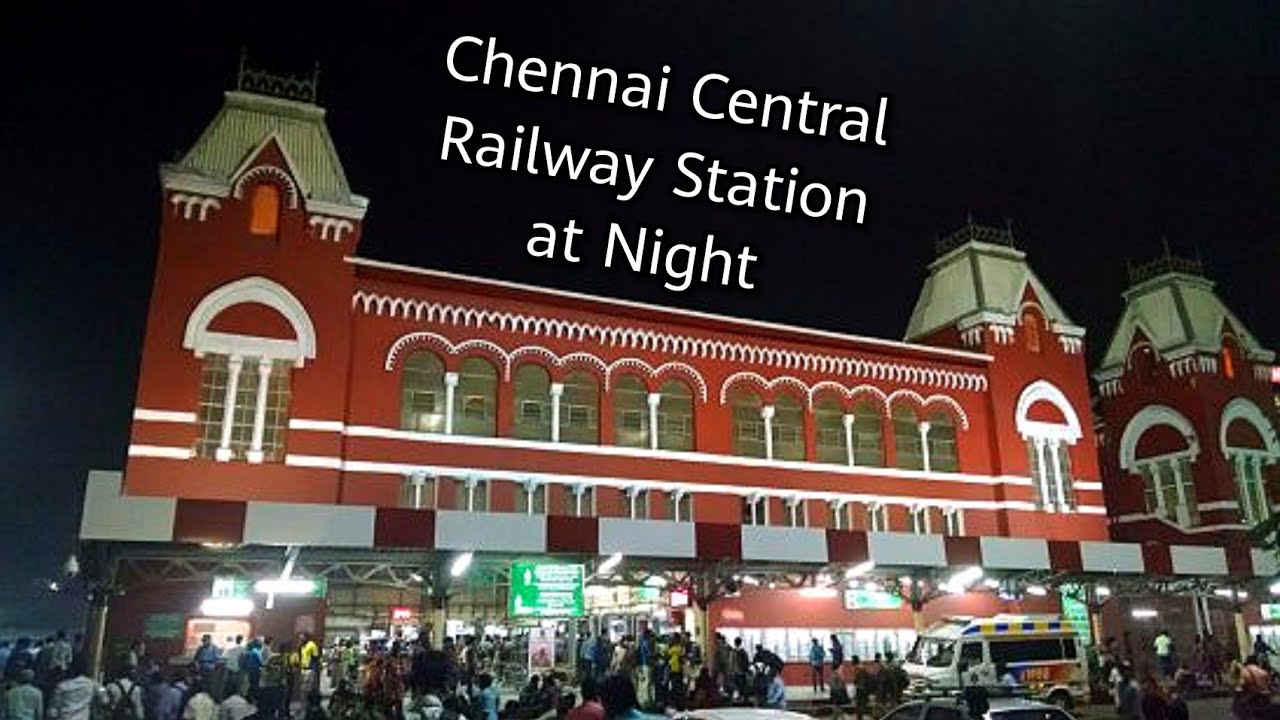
x=422 y=393
x=1228 y=363
x=532 y=403
x=1031 y=329
x=630 y=412
x=906 y=439
x=868 y=435
x=748 y=425
x=942 y=443
x=475 y=399
x=264 y=210
x=788 y=428
x=675 y=416
x=580 y=408
x=828 y=416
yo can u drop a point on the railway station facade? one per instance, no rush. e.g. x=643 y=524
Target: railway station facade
x=304 y=411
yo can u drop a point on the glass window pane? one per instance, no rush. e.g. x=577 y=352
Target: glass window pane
x=906 y=438
x=748 y=426
x=630 y=412
x=533 y=403
x=580 y=408
x=422 y=393
x=942 y=444
x=475 y=398
x=675 y=416
x=788 y=428
x=828 y=418
x=868 y=440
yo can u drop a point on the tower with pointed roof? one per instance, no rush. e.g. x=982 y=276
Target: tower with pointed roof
x=1190 y=446
x=981 y=295
x=251 y=289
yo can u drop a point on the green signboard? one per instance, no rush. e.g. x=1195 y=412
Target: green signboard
x=237 y=587
x=545 y=590
x=1075 y=612
x=164 y=625
x=1270 y=611
x=231 y=587
x=871 y=600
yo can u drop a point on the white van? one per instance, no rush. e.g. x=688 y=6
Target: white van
x=1040 y=654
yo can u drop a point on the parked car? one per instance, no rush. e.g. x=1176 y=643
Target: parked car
x=1000 y=709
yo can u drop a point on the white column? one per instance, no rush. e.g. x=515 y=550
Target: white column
x=255 y=454
x=1043 y=474
x=1183 y=514
x=677 y=499
x=578 y=491
x=847 y=419
x=234 y=363
x=766 y=414
x=924 y=444
x=529 y=489
x=1195 y=611
x=654 y=400
x=1059 y=483
x=450 y=387
x=557 y=389
x=418 y=479
x=471 y=493
x=837 y=514
x=928 y=520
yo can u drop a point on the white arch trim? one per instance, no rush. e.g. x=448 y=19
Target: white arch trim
x=1045 y=391
x=255 y=289
x=1147 y=418
x=1243 y=409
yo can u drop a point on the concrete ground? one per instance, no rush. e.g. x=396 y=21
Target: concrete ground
x=1217 y=708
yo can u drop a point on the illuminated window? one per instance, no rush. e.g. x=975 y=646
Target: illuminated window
x=675 y=416
x=630 y=412
x=532 y=403
x=788 y=428
x=942 y=444
x=580 y=409
x=422 y=393
x=475 y=398
x=1228 y=364
x=748 y=425
x=868 y=435
x=580 y=501
x=531 y=499
x=253 y=428
x=755 y=510
x=418 y=492
x=264 y=210
x=1031 y=330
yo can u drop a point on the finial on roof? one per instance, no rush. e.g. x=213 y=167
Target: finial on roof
x=1165 y=264
x=974 y=232
x=289 y=87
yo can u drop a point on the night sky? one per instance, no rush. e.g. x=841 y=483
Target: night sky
x=1096 y=128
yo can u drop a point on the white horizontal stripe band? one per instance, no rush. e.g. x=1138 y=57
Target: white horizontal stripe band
x=687 y=456
x=313 y=461
x=335 y=426
x=389 y=468
x=1218 y=505
x=1086 y=485
x=173 y=416
x=161 y=451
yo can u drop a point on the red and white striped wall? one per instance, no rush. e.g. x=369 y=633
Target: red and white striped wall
x=109 y=515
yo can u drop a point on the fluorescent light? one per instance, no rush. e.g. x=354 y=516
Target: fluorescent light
x=960 y=582
x=460 y=565
x=1275 y=588
x=282 y=586
x=1143 y=613
x=226 y=607
x=415 y=577
x=1037 y=590
x=749 y=580
x=1102 y=591
x=607 y=566
x=861 y=568
x=818 y=592
x=655 y=581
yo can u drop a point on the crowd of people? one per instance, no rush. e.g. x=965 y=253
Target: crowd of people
x=1160 y=688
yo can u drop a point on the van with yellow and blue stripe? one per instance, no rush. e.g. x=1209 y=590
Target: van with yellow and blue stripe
x=1039 y=655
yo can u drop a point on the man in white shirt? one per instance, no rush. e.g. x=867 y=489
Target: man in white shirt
x=74 y=697
x=232 y=658
x=24 y=701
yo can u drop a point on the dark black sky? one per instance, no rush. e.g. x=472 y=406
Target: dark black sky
x=1097 y=127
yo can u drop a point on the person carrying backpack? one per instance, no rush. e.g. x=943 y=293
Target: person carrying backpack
x=122 y=698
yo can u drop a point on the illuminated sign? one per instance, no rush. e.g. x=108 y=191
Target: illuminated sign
x=871 y=600
x=231 y=587
x=1275 y=374
x=545 y=590
x=401 y=613
x=1270 y=611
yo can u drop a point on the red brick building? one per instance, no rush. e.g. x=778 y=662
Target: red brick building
x=293 y=393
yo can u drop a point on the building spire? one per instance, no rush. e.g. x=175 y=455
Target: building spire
x=302 y=88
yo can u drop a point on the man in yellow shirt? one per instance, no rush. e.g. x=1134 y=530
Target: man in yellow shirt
x=309 y=663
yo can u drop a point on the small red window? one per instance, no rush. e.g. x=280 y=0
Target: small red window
x=1228 y=364
x=1031 y=330
x=264 y=209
